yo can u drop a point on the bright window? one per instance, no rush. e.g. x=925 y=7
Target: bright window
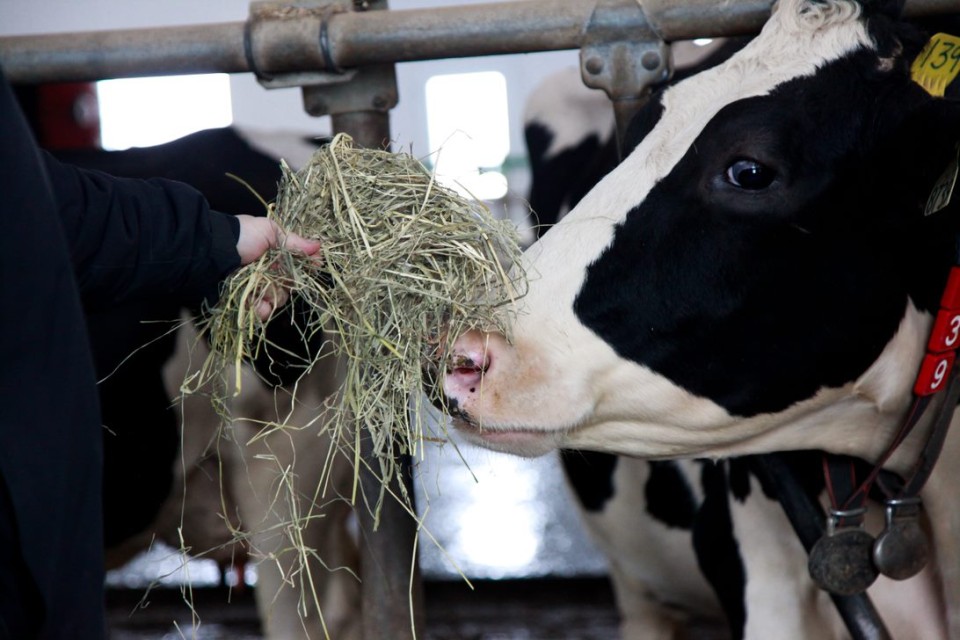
x=469 y=131
x=140 y=112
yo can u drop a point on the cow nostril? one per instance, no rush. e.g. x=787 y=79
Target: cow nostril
x=470 y=359
x=468 y=371
x=464 y=365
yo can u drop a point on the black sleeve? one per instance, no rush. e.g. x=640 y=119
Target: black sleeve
x=135 y=239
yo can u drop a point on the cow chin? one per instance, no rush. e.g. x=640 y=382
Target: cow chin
x=527 y=443
x=484 y=422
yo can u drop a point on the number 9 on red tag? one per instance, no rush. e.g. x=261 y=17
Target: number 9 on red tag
x=934 y=372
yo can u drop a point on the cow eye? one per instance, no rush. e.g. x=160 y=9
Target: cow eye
x=750 y=175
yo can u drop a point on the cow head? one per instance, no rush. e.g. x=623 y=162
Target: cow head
x=756 y=275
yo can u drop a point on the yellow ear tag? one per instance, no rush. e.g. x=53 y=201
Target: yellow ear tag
x=943 y=189
x=938 y=64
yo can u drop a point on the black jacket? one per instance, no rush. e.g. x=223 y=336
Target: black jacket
x=72 y=240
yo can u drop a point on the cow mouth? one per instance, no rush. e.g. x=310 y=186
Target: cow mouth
x=518 y=441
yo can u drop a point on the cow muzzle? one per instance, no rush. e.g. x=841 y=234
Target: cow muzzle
x=480 y=371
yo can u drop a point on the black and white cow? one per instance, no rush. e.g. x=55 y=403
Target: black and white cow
x=569 y=133
x=757 y=275
x=666 y=527
x=170 y=473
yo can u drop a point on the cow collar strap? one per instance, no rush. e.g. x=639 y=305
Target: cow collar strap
x=847 y=559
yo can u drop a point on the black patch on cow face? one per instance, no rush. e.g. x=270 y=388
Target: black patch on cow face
x=718 y=553
x=591 y=475
x=670 y=498
x=755 y=296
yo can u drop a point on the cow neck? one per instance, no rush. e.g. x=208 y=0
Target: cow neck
x=901 y=550
x=840 y=473
x=936 y=384
x=938 y=375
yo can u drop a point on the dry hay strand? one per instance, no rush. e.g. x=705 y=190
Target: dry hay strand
x=407 y=266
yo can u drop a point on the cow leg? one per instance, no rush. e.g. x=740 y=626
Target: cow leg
x=783 y=601
x=642 y=617
x=298 y=596
x=307 y=585
x=640 y=516
x=268 y=488
x=199 y=516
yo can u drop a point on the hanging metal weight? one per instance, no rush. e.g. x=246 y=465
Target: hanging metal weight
x=902 y=549
x=841 y=562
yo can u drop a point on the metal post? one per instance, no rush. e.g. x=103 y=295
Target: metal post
x=392 y=597
x=370 y=129
x=391 y=591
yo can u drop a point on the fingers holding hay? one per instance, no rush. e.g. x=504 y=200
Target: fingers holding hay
x=407 y=266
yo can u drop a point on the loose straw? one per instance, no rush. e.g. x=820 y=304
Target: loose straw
x=407 y=266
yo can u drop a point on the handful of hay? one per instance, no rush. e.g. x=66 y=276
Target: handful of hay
x=407 y=265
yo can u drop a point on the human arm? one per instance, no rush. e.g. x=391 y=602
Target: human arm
x=132 y=239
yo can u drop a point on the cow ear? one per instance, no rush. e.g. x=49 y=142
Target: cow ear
x=913 y=147
x=938 y=143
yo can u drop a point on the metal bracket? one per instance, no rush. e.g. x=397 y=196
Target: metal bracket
x=622 y=59
x=328 y=90
x=367 y=89
x=277 y=32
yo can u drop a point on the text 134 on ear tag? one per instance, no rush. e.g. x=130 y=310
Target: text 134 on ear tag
x=937 y=64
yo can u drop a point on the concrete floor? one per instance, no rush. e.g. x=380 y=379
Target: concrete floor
x=564 y=609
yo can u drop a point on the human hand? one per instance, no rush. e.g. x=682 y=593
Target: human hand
x=256 y=236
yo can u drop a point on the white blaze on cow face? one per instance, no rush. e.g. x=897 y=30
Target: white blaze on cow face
x=559 y=384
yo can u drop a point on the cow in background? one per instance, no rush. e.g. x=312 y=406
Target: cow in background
x=569 y=131
x=170 y=473
x=287 y=514
x=758 y=275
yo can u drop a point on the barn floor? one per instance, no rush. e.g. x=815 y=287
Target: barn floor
x=498 y=610
x=536 y=609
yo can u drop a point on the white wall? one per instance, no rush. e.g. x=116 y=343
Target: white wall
x=281 y=109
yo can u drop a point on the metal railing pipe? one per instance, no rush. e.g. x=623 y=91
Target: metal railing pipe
x=355 y=39
x=457 y=32
x=96 y=55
